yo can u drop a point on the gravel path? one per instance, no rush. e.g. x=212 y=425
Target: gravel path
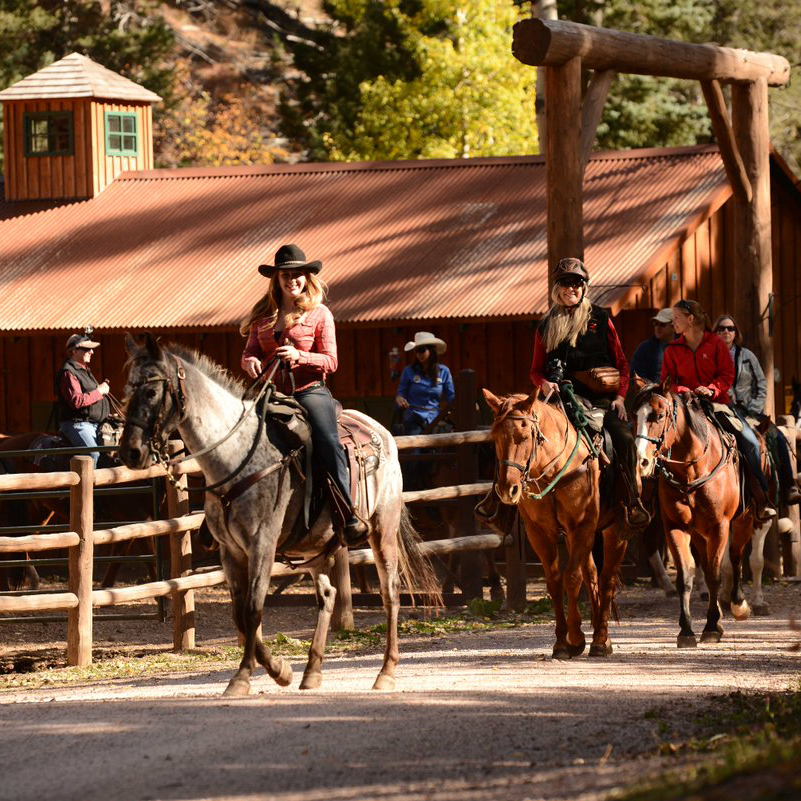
x=482 y=715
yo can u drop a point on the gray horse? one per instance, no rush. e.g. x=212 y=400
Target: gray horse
x=176 y=388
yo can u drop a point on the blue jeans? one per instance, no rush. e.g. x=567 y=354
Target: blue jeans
x=81 y=433
x=749 y=448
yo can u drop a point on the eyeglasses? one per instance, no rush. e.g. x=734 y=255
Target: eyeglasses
x=421 y=349
x=570 y=283
x=731 y=328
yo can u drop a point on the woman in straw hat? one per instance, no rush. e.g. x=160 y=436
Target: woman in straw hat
x=292 y=323
x=424 y=384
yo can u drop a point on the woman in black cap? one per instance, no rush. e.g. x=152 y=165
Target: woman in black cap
x=573 y=338
x=292 y=323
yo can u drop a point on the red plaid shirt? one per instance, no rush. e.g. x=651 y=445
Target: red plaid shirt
x=314 y=336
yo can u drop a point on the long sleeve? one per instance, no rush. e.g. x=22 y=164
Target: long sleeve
x=721 y=383
x=253 y=346
x=755 y=403
x=537 y=372
x=618 y=357
x=670 y=368
x=448 y=389
x=74 y=395
x=323 y=352
x=405 y=381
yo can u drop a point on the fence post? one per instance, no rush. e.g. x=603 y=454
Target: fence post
x=183 y=601
x=791 y=547
x=516 y=568
x=81 y=556
x=342 y=618
x=470 y=562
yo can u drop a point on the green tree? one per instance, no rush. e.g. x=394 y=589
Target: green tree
x=126 y=37
x=413 y=79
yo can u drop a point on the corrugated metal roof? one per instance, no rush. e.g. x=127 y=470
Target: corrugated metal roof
x=77 y=76
x=399 y=241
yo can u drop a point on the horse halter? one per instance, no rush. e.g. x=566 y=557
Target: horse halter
x=177 y=392
x=537 y=438
x=671 y=421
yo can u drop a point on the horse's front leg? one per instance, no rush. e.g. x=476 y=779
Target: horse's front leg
x=743 y=532
x=580 y=551
x=717 y=541
x=614 y=551
x=326 y=595
x=678 y=541
x=757 y=564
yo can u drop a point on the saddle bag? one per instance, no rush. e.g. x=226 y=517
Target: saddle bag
x=289 y=418
x=601 y=380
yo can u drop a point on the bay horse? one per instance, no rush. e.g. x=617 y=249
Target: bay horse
x=699 y=497
x=538 y=448
x=174 y=388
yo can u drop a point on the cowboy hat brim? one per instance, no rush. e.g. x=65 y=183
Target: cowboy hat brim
x=313 y=267
x=84 y=343
x=440 y=346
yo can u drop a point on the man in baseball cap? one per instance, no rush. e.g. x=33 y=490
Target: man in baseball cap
x=82 y=402
x=647 y=359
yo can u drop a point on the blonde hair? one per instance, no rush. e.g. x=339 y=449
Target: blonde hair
x=269 y=304
x=565 y=324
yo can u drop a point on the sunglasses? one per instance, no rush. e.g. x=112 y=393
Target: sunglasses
x=731 y=328
x=421 y=349
x=570 y=283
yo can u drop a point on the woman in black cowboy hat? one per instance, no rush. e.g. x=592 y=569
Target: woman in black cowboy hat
x=292 y=323
x=574 y=337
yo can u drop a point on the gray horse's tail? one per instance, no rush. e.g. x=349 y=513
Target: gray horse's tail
x=415 y=568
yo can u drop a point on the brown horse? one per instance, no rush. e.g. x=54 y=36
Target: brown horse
x=547 y=470
x=699 y=496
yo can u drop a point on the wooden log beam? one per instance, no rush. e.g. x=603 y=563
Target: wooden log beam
x=150 y=528
x=38 y=542
x=38 y=603
x=183 y=601
x=478 y=542
x=563 y=170
x=445 y=493
x=551 y=43
x=592 y=110
x=732 y=162
x=441 y=440
x=36 y=481
x=81 y=564
x=753 y=270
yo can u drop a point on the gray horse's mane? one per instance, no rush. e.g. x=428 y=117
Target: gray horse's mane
x=208 y=367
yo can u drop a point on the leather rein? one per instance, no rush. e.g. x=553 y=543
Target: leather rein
x=663 y=458
x=176 y=389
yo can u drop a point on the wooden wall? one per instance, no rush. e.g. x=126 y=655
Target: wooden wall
x=85 y=173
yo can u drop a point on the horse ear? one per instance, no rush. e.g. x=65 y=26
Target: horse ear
x=493 y=401
x=638 y=381
x=153 y=347
x=667 y=384
x=130 y=344
x=532 y=399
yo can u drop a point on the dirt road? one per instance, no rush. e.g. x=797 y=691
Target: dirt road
x=482 y=715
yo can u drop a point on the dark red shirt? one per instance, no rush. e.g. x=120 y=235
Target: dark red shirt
x=74 y=395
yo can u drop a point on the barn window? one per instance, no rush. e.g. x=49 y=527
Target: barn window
x=122 y=137
x=48 y=133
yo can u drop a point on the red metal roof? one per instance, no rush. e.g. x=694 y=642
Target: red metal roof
x=399 y=240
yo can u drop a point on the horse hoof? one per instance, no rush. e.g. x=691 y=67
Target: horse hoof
x=311 y=681
x=601 y=650
x=561 y=653
x=760 y=610
x=384 y=682
x=237 y=688
x=686 y=641
x=711 y=636
x=741 y=611
x=576 y=650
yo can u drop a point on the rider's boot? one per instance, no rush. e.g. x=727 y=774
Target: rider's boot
x=355 y=531
x=763 y=509
x=792 y=496
x=637 y=517
x=494 y=514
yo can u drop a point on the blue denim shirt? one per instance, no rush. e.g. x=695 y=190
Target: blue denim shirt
x=423 y=394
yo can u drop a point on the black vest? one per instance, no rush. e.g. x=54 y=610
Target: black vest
x=591 y=350
x=95 y=413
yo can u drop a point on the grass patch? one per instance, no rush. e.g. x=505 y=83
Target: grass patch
x=749 y=749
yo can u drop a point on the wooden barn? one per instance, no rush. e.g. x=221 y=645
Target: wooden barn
x=456 y=247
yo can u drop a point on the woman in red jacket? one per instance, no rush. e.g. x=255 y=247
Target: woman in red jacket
x=291 y=323
x=699 y=362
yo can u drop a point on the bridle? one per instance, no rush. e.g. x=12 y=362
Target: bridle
x=671 y=421
x=538 y=438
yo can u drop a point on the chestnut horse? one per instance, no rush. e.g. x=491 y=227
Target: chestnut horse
x=547 y=470
x=699 y=496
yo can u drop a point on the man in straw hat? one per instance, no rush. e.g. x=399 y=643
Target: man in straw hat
x=82 y=402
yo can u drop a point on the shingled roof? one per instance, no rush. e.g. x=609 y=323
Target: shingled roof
x=77 y=76
x=457 y=239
